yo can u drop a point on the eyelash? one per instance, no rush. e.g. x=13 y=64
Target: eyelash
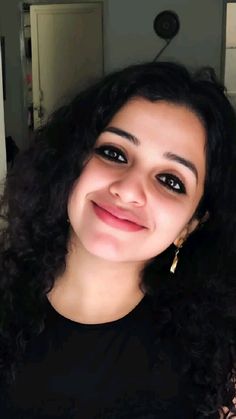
x=104 y=150
x=170 y=179
x=120 y=158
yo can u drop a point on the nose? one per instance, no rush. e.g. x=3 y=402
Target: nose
x=129 y=189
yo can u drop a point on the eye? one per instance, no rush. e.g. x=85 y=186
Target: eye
x=172 y=182
x=111 y=153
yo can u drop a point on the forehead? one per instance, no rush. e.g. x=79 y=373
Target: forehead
x=161 y=120
x=138 y=105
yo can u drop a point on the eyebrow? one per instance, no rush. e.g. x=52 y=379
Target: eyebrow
x=170 y=156
x=123 y=134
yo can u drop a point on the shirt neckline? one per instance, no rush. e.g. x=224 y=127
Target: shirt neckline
x=131 y=315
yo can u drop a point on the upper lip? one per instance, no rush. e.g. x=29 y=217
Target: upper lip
x=121 y=213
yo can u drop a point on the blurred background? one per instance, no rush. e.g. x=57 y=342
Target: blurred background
x=52 y=49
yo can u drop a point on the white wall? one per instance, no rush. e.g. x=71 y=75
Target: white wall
x=231 y=26
x=230 y=56
x=128 y=38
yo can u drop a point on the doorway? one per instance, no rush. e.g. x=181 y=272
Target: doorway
x=63 y=53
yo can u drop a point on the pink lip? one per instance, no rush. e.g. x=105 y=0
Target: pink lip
x=114 y=220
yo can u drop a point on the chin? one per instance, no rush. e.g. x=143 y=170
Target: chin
x=106 y=251
x=114 y=249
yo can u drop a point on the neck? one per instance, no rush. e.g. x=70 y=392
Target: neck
x=94 y=290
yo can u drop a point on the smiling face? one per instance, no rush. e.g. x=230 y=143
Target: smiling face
x=142 y=185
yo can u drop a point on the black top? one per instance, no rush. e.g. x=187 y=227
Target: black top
x=77 y=371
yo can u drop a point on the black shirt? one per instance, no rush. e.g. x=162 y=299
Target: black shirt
x=77 y=371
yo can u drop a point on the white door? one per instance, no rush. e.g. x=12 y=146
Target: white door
x=2 y=132
x=67 y=53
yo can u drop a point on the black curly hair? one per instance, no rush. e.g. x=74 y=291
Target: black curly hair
x=196 y=306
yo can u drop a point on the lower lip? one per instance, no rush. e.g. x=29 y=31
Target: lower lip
x=115 y=222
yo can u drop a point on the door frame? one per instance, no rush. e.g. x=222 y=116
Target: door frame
x=3 y=157
x=223 y=41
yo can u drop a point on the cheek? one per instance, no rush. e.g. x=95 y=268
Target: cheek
x=170 y=218
x=94 y=176
x=83 y=184
x=75 y=199
x=92 y=179
x=169 y=210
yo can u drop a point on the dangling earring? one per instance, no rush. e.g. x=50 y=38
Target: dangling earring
x=176 y=257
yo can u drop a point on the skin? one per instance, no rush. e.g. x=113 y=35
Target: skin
x=156 y=179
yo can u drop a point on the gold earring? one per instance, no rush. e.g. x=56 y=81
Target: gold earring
x=176 y=257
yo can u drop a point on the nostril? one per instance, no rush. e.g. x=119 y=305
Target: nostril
x=128 y=189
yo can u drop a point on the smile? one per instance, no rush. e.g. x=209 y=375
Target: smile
x=115 y=221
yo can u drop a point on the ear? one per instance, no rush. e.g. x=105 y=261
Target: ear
x=188 y=229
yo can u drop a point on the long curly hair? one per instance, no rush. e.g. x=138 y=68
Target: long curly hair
x=196 y=307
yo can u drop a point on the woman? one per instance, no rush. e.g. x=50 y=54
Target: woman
x=117 y=262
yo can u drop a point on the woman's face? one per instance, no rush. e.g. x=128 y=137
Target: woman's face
x=142 y=185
